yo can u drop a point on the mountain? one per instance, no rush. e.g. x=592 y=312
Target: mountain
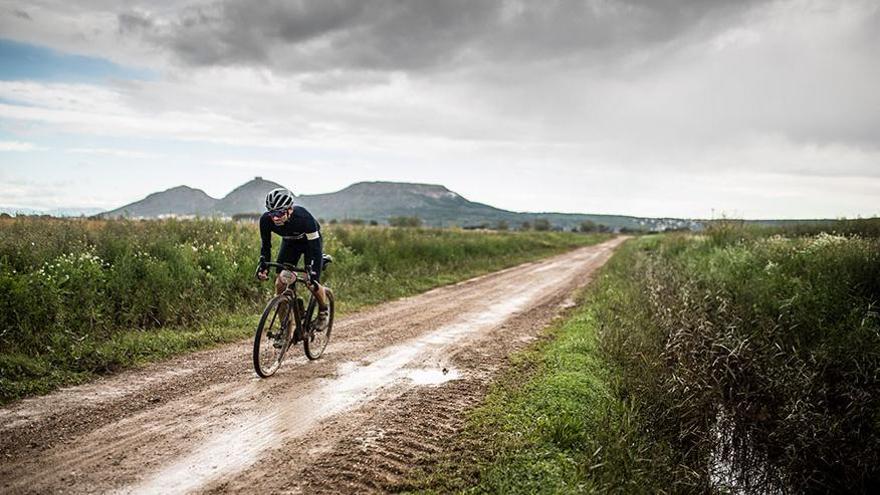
x=183 y=201
x=249 y=197
x=437 y=205
x=177 y=201
x=434 y=204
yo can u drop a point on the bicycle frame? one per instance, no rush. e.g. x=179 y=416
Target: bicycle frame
x=300 y=312
x=300 y=330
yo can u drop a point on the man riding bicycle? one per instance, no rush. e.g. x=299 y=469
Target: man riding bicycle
x=301 y=235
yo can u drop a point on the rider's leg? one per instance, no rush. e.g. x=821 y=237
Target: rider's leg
x=316 y=267
x=320 y=295
x=323 y=319
x=289 y=252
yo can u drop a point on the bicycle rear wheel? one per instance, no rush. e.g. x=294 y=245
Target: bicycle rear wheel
x=272 y=336
x=316 y=341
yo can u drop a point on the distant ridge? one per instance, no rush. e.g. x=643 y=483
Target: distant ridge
x=438 y=206
x=377 y=201
x=177 y=201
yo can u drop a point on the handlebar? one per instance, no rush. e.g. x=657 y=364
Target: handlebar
x=286 y=266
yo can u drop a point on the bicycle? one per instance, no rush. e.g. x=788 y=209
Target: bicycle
x=272 y=341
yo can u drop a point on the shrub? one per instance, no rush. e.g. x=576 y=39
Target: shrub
x=588 y=226
x=405 y=222
x=542 y=224
x=755 y=356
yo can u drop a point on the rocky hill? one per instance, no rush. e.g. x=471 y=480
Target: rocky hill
x=435 y=205
x=249 y=197
x=177 y=201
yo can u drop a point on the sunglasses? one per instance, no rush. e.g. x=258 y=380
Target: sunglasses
x=278 y=213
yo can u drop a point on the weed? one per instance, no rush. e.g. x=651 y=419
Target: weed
x=755 y=357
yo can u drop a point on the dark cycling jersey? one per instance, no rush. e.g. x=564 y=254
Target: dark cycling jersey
x=300 y=235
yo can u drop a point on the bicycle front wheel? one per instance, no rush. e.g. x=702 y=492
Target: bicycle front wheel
x=272 y=336
x=316 y=340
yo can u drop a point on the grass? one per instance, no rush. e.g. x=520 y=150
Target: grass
x=754 y=356
x=79 y=298
x=555 y=424
x=25 y=375
x=735 y=360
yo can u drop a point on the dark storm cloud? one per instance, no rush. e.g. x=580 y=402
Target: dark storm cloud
x=129 y=23
x=394 y=35
x=22 y=14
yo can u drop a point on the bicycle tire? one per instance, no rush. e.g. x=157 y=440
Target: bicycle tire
x=314 y=342
x=265 y=338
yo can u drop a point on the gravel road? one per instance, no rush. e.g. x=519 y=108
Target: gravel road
x=385 y=398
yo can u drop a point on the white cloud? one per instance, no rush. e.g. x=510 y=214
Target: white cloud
x=758 y=92
x=45 y=195
x=260 y=165
x=17 y=146
x=122 y=153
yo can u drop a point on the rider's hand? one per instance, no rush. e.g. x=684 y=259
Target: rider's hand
x=263 y=274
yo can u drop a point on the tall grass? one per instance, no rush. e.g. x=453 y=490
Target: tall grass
x=756 y=357
x=553 y=424
x=731 y=230
x=73 y=291
x=66 y=281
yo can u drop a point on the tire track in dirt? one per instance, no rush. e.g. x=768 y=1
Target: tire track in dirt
x=358 y=418
x=388 y=440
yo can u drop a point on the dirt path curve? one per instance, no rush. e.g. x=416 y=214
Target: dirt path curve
x=357 y=420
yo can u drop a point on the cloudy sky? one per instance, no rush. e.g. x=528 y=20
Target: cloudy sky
x=756 y=109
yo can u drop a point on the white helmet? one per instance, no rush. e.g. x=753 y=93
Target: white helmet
x=279 y=198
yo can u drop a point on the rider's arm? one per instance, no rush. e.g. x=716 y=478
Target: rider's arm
x=265 y=239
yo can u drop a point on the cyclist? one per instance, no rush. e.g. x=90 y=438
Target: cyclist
x=301 y=235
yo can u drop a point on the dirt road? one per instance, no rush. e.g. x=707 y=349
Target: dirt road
x=389 y=391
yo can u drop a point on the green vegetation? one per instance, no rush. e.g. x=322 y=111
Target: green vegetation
x=553 y=424
x=83 y=297
x=864 y=227
x=762 y=352
x=734 y=230
x=542 y=224
x=730 y=361
x=405 y=221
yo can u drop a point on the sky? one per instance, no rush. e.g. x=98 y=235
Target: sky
x=691 y=108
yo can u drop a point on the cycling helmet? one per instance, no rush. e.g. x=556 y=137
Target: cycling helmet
x=279 y=198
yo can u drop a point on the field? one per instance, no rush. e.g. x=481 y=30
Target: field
x=741 y=359
x=85 y=297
